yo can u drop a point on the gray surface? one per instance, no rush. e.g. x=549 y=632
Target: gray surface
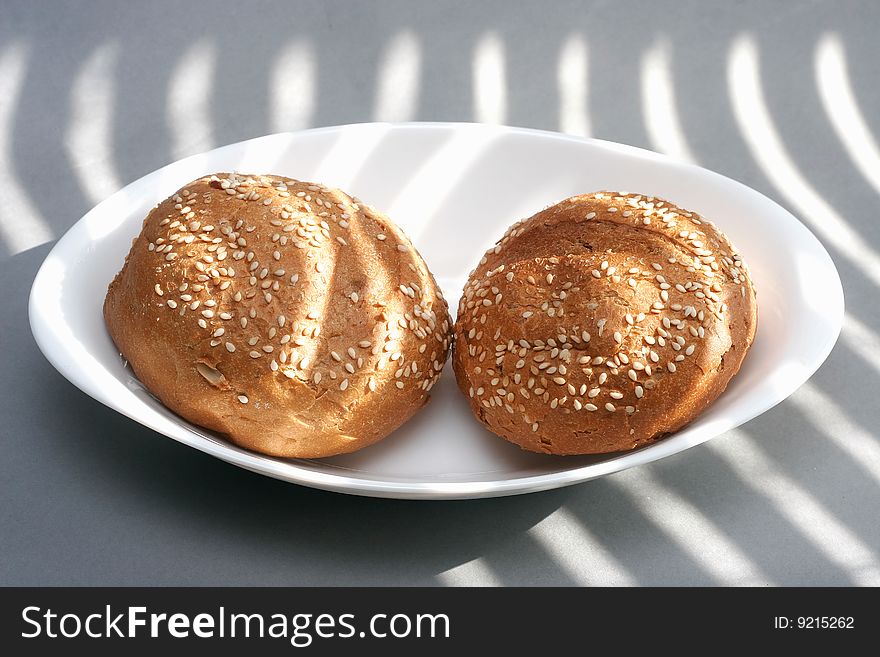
x=89 y=497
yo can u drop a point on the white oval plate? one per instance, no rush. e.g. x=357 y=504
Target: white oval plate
x=454 y=188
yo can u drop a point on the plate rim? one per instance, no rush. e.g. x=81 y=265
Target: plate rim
x=292 y=472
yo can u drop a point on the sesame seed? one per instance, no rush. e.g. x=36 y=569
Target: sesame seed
x=255 y=354
x=230 y=347
x=243 y=399
x=610 y=407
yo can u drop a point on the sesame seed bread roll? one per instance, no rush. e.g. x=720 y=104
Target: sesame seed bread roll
x=288 y=316
x=602 y=324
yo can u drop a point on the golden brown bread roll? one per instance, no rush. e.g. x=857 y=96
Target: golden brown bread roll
x=602 y=324
x=288 y=316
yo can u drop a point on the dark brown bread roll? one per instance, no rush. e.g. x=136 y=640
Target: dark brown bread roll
x=602 y=324
x=287 y=315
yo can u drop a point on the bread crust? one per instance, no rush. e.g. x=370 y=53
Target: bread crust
x=286 y=315
x=602 y=324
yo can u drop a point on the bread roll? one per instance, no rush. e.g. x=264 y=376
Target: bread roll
x=285 y=315
x=602 y=324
